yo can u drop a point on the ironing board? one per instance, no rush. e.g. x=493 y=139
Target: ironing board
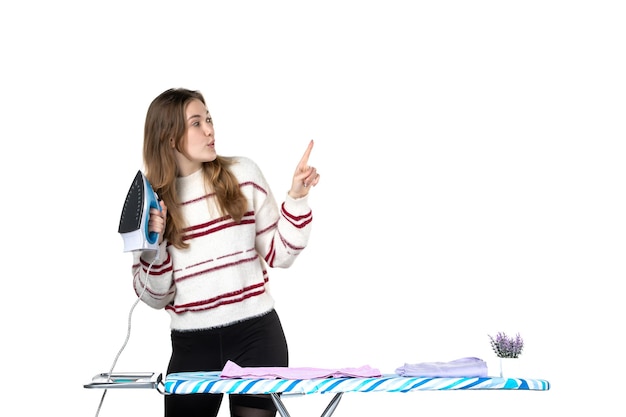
x=187 y=383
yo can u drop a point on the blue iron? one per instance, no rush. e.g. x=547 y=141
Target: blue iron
x=135 y=215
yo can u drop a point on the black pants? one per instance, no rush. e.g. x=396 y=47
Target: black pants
x=259 y=341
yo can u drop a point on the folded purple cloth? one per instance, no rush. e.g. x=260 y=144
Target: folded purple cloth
x=464 y=367
x=232 y=370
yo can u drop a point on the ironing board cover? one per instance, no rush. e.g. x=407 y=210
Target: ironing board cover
x=211 y=382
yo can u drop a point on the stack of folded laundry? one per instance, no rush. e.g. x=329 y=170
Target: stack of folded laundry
x=463 y=367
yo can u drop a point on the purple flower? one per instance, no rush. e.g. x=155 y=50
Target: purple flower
x=507 y=347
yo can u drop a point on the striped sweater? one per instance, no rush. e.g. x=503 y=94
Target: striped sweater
x=222 y=277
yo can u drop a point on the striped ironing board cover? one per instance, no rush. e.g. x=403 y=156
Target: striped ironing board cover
x=211 y=382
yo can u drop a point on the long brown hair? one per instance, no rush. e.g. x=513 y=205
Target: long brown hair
x=166 y=120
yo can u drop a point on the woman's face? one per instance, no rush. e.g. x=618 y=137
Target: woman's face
x=199 y=143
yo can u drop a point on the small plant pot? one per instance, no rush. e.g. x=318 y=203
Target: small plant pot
x=511 y=368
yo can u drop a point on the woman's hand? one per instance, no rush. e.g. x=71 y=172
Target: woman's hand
x=157 y=221
x=305 y=176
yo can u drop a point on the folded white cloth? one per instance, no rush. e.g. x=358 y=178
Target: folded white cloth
x=464 y=367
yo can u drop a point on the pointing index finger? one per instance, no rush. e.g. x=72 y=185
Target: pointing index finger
x=305 y=157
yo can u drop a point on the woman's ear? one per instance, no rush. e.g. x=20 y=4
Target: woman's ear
x=172 y=143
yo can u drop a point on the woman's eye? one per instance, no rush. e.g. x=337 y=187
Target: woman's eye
x=209 y=120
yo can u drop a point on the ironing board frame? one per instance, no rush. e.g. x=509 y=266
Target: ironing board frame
x=189 y=383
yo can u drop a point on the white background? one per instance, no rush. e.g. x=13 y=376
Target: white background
x=472 y=181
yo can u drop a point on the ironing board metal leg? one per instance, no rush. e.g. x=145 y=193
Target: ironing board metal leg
x=279 y=405
x=332 y=405
x=330 y=408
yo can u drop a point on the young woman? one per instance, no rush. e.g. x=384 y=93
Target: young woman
x=220 y=229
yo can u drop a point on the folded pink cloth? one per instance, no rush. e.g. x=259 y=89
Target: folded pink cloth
x=232 y=370
x=464 y=367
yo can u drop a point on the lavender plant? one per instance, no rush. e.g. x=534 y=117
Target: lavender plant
x=505 y=346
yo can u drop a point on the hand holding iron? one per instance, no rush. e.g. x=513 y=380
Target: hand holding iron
x=305 y=176
x=158 y=220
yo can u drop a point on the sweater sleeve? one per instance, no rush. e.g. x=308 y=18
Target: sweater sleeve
x=282 y=232
x=153 y=278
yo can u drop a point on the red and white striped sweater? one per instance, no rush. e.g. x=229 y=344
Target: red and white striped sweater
x=222 y=278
